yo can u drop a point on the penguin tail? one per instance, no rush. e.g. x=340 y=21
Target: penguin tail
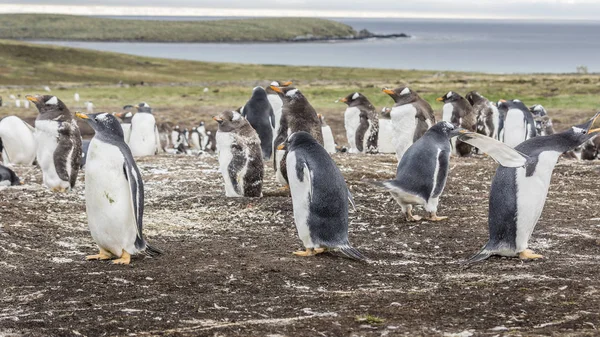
x=483 y=254
x=351 y=253
x=152 y=251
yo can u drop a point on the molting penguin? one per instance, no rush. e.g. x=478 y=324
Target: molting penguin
x=319 y=197
x=114 y=193
x=276 y=101
x=58 y=143
x=328 y=140
x=411 y=117
x=17 y=141
x=422 y=172
x=488 y=116
x=361 y=123
x=181 y=144
x=458 y=111
x=259 y=114
x=8 y=177
x=126 y=117
x=543 y=122
x=144 y=139
x=164 y=134
x=386 y=132
x=518 y=195
x=516 y=122
x=240 y=156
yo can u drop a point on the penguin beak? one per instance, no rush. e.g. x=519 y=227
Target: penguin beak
x=82 y=116
x=343 y=100
x=440 y=99
x=319 y=115
x=502 y=101
x=119 y=114
x=218 y=119
x=459 y=131
x=388 y=91
x=277 y=89
x=286 y=84
x=32 y=98
x=282 y=147
x=593 y=120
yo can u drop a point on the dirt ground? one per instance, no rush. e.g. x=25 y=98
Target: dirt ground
x=228 y=267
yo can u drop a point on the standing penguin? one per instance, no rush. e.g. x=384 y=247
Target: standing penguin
x=175 y=135
x=276 y=101
x=458 y=111
x=328 y=140
x=203 y=136
x=114 y=193
x=126 y=117
x=543 y=122
x=259 y=114
x=297 y=115
x=58 y=143
x=17 y=141
x=8 y=177
x=516 y=122
x=319 y=197
x=488 y=117
x=422 y=172
x=361 y=123
x=144 y=139
x=195 y=140
x=518 y=195
x=411 y=117
x=386 y=133
x=240 y=157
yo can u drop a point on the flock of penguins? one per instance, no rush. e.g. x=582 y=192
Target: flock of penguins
x=278 y=123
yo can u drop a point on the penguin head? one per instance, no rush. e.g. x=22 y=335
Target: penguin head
x=106 y=125
x=474 y=97
x=297 y=139
x=128 y=107
x=230 y=121
x=449 y=97
x=447 y=129
x=144 y=107
x=538 y=110
x=259 y=92
x=322 y=119
x=201 y=123
x=288 y=94
x=281 y=84
x=50 y=107
x=579 y=134
x=353 y=99
x=402 y=94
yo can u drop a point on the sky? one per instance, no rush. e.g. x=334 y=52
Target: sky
x=452 y=9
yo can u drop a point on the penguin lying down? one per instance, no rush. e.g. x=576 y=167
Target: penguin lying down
x=8 y=177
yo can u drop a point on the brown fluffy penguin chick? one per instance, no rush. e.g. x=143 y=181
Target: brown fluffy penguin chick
x=458 y=111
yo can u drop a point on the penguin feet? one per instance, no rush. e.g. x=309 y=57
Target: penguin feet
x=102 y=255
x=59 y=189
x=433 y=217
x=124 y=259
x=412 y=218
x=528 y=254
x=310 y=252
x=285 y=188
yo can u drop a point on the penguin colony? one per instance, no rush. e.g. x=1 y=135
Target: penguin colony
x=278 y=123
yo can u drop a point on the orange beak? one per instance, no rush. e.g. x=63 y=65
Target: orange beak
x=286 y=84
x=281 y=147
x=277 y=89
x=218 y=119
x=82 y=116
x=345 y=100
x=440 y=99
x=389 y=91
x=32 y=98
x=503 y=100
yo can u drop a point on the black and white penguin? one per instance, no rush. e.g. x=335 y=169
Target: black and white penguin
x=58 y=143
x=8 y=177
x=319 y=197
x=259 y=113
x=126 y=117
x=175 y=135
x=17 y=141
x=203 y=136
x=195 y=140
x=144 y=139
x=516 y=122
x=181 y=145
x=297 y=115
x=422 y=172
x=488 y=117
x=518 y=195
x=361 y=123
x=543 y=122
x=276 y=101
x=85 y=145
x=385 y=142
x=211 y=144
x=411 y=117
x=458 y=111
x=328 y=140
x=240 y=156
x=164 y=135
x=114 y=193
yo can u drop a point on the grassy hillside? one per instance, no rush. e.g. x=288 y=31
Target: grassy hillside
x=68 y=27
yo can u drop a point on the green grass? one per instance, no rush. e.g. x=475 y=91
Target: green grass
x=69 y=27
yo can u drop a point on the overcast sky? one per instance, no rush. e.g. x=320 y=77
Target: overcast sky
x=500 y=9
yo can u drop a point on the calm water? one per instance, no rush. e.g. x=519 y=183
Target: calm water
x=496 y=47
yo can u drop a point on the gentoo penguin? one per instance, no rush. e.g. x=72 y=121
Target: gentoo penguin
x=17 y=141
x=516 y=122
x=297 y=115
x=319 y=197
x=240 y=156
x=211 y=144
x=164 y=135
x=276 y=101
x=589 y=149
x=195 y=140
x=458 y=111
x=259 y=113
x=175 y=135
x=518 y=195
x=76 y=97
x=203 y=136
x=328 y=140
x=386 y=132
x=126 y=117
x=543 y=122
x=58 y=142
x=361 y=123
x=144 y=139
x=114 y=193
x=488 y=117
x=411 y=117
x=89 y=107
x=181 y=144
x=423 y=170
x=85 y=145
x=8 y=177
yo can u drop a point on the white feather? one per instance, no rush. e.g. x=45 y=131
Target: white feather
x=52 y=101
x=351 y=123
x=404 y=124
x=301 y=195
x=405 y=91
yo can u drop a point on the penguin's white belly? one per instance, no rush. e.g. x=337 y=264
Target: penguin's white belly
x=196 y=140
x=108 y=200
x=384 y=141
x=224 y=142
x=46 y=136
x=278 y=175
x=351 y=123
x=404 y=124
x=328 y=141
x=126 y=131
x=142 y=140
x=174 y=137
x=495 y=122
x=277 y=105
x=447 y=112
x=204 y=141
x=531 y=196
x=515 y=129
x=18 y=141
x=300 y=191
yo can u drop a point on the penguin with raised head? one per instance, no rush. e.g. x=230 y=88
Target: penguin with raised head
x=422 y=172
x=458 y=111
x=114 y=193
x=126 y=117
x=259 y=113
x=276 y=101
x=386 y=132
x=17 y=141
x=411 y=117
x=240 y=156
x=488 y=117
x=518 y=195
x=320 y=197
x=361 y=123
x=58 y=143
x=516 y=123
x=297 y=115
x=328 y=140
x=144 y=139
x=8 y=177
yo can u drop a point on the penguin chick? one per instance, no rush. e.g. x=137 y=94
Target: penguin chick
x=361 y=123
x=458 y=111
x=8 y=177
x=488 y=116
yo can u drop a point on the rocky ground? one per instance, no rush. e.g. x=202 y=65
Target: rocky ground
x=228 y=267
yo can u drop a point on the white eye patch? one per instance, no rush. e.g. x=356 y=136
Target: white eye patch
x=101 y=117
x=406 y=91
x=129 y=114
x=516 y=101
x=291 y=93
x=578 y=130
x=275 y=83
x=449 y=125
x=355 y=96
x=449 y=94
x=52 y=101
x=236 y=116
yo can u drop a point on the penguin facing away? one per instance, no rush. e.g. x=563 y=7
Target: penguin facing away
x=386 y=132
x=518 y=195
x=276 y=101
x=126 y=117
x=17 y=141
x=58 y=143
x=422 y=172
x=144 y=139
x=319 y=197
x=458 y=111
x=516 y=123
x=259 y=113
x=328 y=140
x=240 y=156
x=361 y=123
x=488 y=116
x=8 y=177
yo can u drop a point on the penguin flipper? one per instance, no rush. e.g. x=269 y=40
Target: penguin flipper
x=136 y=187
x=500 y=152
x=351 y=253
